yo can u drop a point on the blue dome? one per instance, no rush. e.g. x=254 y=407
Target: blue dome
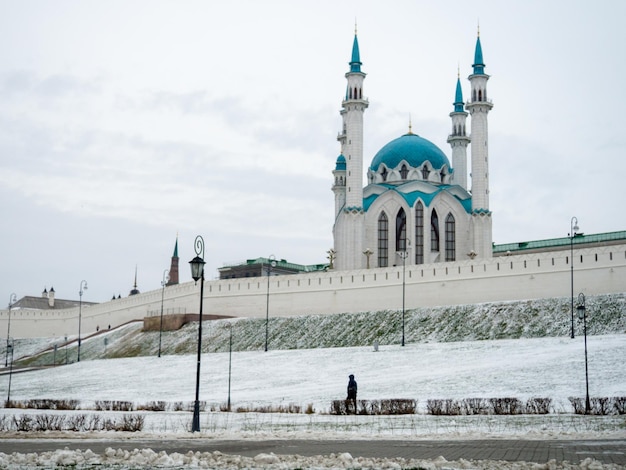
x=413 y=149
x=341 y=163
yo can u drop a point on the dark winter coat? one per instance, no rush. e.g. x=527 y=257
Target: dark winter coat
x=352 y=387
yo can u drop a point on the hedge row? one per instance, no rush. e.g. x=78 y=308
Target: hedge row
x=78 y=423
x=476 y=406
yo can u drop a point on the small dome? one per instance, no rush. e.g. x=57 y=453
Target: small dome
x=412 y=148
x=341 y=163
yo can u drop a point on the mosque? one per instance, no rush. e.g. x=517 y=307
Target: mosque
x=416 y=207
x=417 y=235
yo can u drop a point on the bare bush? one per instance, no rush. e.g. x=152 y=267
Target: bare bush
x=474 y=406
x=22 y=423
x=506 y=406
x=46 y=422
x=538 y=406
x=153 y=406
x=76 y=423
x=447 y=407
x=372 y=407
x=620 y=405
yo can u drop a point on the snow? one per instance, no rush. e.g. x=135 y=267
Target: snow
x=541 y=367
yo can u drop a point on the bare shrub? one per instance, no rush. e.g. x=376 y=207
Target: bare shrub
x=538 y=406
x=153 y=406
x=506 y=406
x=67 y=404
x=44 y=422
x=76 y=423
x=103 y=405
x=601 y=406
x=619 y=403
x=309 y=409
x=394 y=406
x=23 y=423
x=475 y=406
x=446 y=407
x=578 y=404
x=178 y=406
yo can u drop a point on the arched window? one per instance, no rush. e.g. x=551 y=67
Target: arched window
x=401 y=231
x=419 y=233
x=442 y=174
x=450 y=238
x=480 y=95
x=404 y=172
x=425 y=172
x=383 y=241
x=384 y=173
x=434 y=231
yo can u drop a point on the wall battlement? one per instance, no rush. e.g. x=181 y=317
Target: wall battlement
x=597 y=270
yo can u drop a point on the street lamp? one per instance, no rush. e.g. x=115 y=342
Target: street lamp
x=12 y=300
x=403 y=255
x=166 y=278
x=83 y=286
x=230 y=361
x=10 y=345
x=582 y=315
x=573 y=230
x=271 y=264
x=197 y=273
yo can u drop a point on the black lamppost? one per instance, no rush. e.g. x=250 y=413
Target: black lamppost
x=573 y=230
x=271 y=264
x=10 y=345
x=12 y=300
x=83 y=286
x=230 y=361
x=197 y=273
x=403 y=255
x=166 y=278
x=582 y=315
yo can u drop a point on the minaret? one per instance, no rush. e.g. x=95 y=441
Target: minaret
x=459 y=140
x=174 y=266
x=479 y=106
x=350 y=220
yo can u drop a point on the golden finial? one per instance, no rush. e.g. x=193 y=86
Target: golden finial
x=458 y=71
x=355 y=26
x=410 y=125
x=478 y=23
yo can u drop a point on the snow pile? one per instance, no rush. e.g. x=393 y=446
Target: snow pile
x=113 y=459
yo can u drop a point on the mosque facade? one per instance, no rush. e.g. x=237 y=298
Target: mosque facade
x=417 y=207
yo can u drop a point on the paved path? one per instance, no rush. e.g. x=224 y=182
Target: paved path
x=540 y=451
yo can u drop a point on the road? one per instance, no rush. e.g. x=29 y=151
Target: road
x=604 y=450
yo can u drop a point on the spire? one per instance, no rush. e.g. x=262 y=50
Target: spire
x=410 y=125
x=355 y=62
x=458 y=97
x=479 y=65
x=134 y=291
x=173 y=274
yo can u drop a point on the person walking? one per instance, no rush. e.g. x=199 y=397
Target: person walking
x=352 y=389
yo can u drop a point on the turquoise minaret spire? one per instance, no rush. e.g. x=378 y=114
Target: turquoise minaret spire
x=479 y=65
x=458 y=97
x=348 y=230
x=479 y=107
x=458 y=139
x=355 y=62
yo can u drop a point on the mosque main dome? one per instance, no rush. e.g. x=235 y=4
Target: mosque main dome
x=413 y=149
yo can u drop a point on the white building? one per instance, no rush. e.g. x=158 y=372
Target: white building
x=416 y=204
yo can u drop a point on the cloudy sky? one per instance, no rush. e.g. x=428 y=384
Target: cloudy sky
x=125 y=123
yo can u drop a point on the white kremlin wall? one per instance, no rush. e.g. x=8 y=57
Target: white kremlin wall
x=597 y=270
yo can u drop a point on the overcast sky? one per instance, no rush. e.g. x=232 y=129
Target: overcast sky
x=123 y=123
